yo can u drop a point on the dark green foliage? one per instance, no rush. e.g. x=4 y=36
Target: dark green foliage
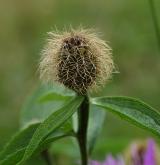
x=46 y=117
x=132 y=110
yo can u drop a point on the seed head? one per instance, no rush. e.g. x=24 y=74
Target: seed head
x=78 y=59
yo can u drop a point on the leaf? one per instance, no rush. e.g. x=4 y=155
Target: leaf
x=96 y=120
x=132 y=110
x=55 y=120
x=13 y=158
x=44 y=101
x=14 y=150
x=19 y=141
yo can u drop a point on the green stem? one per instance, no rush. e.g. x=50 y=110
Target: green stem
x=155 y=20
x=83 y=115
x=46 y=156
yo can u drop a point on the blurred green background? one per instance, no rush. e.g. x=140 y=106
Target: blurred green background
x=127 y=25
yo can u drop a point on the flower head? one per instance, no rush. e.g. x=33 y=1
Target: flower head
x=143 y=153
x=138 y=154
x=109 y=161
x=78 y=59
x=150 y=153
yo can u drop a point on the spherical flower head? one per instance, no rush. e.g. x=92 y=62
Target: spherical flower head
x=78 y=59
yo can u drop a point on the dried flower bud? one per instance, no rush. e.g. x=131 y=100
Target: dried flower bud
x=78 y=59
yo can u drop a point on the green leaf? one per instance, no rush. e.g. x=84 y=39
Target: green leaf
x=96 y=120
x=43 y=102
x=13 y=158
x=14 y=150
x=19 y=141
x=132 y=110
x=54 y=121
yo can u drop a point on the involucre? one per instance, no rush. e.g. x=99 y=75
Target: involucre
x=78 y=59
